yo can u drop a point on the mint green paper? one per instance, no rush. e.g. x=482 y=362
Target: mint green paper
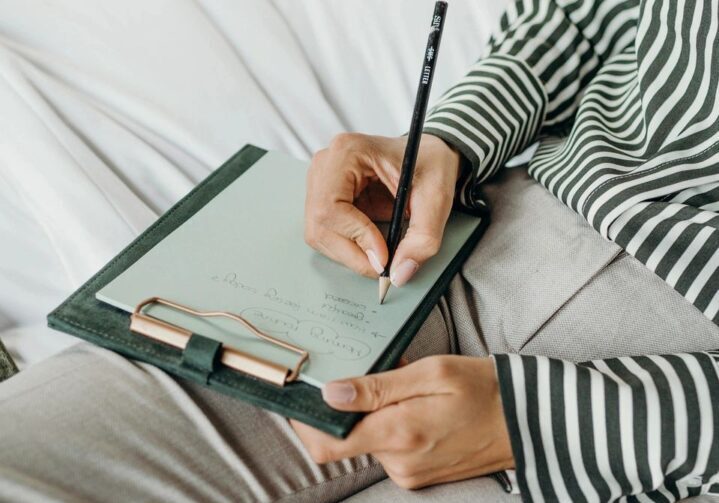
x=244 y=252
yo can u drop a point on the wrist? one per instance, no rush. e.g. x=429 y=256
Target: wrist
x=444 y=154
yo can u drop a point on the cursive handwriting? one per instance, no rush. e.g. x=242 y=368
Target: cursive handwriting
x=334 y=308
x=273 y=295
x=311 y=335
x=333 y=319
x=232 y=280
x=342 y=300
x=270 y=321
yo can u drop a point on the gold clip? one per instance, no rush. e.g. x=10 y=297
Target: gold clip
x=178 y=337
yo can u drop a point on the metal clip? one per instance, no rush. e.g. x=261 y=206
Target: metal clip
x=178 y=337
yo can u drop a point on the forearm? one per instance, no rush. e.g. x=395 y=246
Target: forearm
x=530 y=81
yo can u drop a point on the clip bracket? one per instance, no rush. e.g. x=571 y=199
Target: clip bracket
x=179 y=337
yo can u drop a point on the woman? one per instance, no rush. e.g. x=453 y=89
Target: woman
x=624 y=99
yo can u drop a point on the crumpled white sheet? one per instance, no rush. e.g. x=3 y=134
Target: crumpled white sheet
x=111 y=111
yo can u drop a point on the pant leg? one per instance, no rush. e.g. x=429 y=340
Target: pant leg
x=90 y=425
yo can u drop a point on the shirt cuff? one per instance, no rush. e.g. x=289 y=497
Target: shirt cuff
x=490 y=116
x=600 y=430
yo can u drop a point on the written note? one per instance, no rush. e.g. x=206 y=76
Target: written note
x=244 y=252
x=309 y=333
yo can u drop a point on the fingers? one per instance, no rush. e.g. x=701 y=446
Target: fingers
x=428 y=217
x=430 y=204
x=375 y=391
x=351 y=223
x=342 y=250
x=350 y=239
x=372 y=434
x=356 y=177
x=375 y=201
x=333 y=224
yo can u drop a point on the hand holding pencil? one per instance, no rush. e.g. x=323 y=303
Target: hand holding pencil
x=351 y=185
x=353 y=182
x=404 y=185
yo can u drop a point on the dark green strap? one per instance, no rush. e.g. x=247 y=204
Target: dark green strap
x=200 y=357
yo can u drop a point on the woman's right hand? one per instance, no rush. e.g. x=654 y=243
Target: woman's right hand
x=353 y=182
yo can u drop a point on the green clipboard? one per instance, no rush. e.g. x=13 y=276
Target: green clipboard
x=86 y=317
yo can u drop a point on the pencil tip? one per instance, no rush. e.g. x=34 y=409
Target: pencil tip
x=384 y=283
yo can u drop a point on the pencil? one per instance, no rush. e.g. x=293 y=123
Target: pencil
x=413 y=138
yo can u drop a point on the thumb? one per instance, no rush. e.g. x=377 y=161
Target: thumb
x=428 y=217
x=374 y=391
x=414 y=249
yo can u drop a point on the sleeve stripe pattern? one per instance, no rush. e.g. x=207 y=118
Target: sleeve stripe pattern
x=515 y=97
x=622 y=96
x=623 y=429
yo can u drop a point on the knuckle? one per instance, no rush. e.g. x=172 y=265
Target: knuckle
x=319 y=454
x=319 y=212
x=344 y=141
x=402 y=470
x=310 y=239
x=376 y=392
x=406 y=482
x=311 y=235
x=362 y=231
x=318 y=157
x=412 y=438
x=441 y=368
x=432 y=245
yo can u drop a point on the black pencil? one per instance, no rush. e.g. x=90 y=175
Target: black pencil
x=413 y=138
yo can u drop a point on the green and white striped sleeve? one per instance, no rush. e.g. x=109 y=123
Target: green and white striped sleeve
x=646 y=427
x=530 y=82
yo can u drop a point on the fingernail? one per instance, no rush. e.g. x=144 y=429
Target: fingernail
x=374 y=261
x=339 y=392
x=403 y=272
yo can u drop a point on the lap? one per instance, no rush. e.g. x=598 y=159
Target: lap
x=89 y=424
x=542 y=281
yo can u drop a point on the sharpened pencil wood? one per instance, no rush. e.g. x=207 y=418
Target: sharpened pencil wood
x=384 y=283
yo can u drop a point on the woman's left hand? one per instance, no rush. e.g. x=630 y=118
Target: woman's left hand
x=435 y=420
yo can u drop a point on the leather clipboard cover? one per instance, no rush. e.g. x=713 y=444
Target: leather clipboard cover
x=86 y=317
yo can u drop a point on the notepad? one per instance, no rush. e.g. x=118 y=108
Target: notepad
x=244 y=252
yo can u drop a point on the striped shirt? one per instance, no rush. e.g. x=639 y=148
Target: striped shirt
x=623 y=98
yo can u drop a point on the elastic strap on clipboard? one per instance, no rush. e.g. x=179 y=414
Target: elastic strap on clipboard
x=200 y=353
x=200 y=356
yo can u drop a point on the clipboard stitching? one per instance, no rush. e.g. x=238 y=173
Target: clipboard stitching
x=151 y=231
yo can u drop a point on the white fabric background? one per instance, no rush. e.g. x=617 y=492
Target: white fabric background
x=110 y=111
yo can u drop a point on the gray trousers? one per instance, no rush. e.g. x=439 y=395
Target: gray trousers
x=90 y=425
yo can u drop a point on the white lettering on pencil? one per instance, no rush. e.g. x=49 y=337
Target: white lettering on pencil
x=425 y=74
x=435 y=23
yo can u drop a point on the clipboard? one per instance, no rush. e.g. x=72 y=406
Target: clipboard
x=205 y=361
